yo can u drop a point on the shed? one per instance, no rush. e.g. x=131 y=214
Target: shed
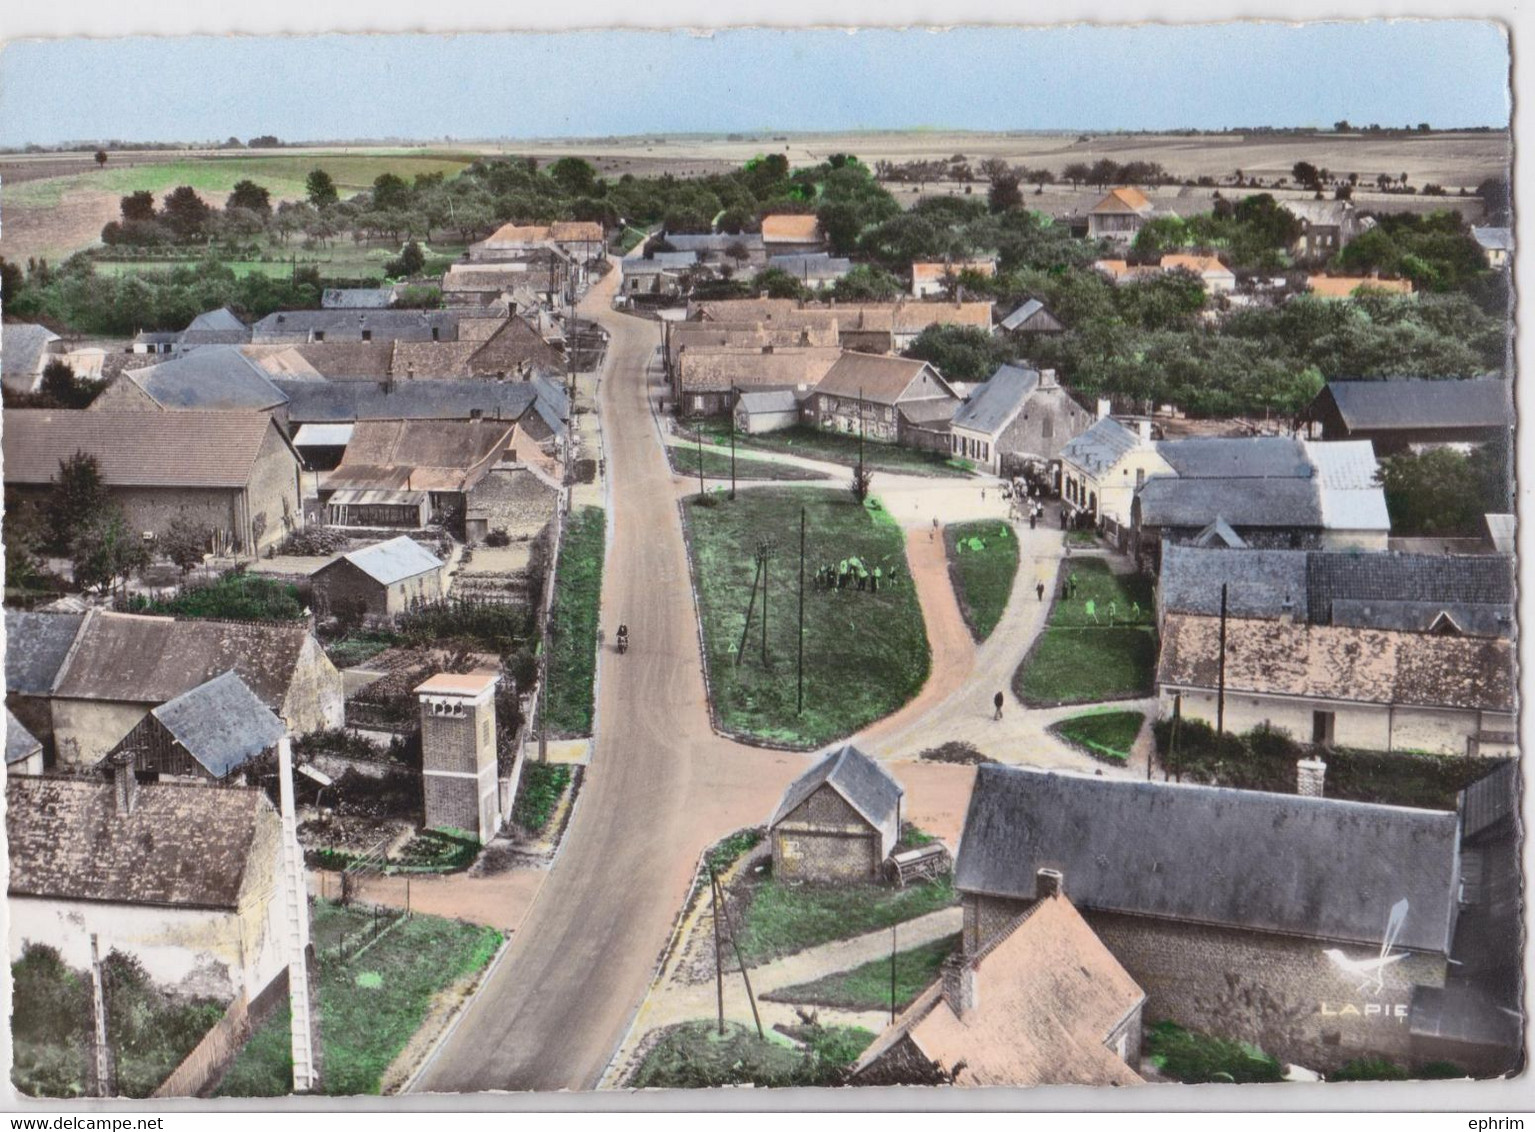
x=838 y=821
x=379 y=581
x=23 y=750
x=206 y=734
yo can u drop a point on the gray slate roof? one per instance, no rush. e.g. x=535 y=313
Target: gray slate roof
x=713 y=241
x=221 y=724
x=1028 y=310
x=1480 y=579
x=1313 y=867
x=770 y=401
x=214 y=377
x=817 y=266
x=221 y=327
x=20 y=744
x=551 y=402
x=862 y=782
x=1494 y=239
x=35 y=647
x=1421 y=616
x=392 y=561
x=1101 y=446
x=23 y=346
x=348 y=325
x=1166 y=501
x=357 y=298
x=1258 y=582
x=1422 y=403
x=998 y=400
x=340 y=401
x=1228 y=457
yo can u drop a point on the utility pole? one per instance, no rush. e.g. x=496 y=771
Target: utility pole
x=892 y=973
x=1220 y=695
x=99 y=1017
x=719 y=966
x=741 y=963
x=735 y=400
x=699 y=434
x=799 y=703
x=751 y=607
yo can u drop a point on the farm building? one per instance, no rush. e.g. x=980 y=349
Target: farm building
x=1030 y=318
x=36 y=647
x=818 y=271
x=379 y=581
x=1018 y=416
x=219 y=327
x=1497 y=245
x=796 y=329
x=218 y=378
x=792 y=234
x=1352 y=685
x=1347 y=286
x=708 y=380
x=297 y=326
x=930 y=279
x=186 y=879
x=23 y=750
x=1044 y=1003
x=1102 y=468
x=1218 y=279
x=25 y=351
x=124 y=665
x=1119 y=216
x=203 y=736
x=233 y=471
x=1326 y=228
x=1412 y=413
x=1241 y=913
x=768 y=410
x=838 y=821
x=894 y=400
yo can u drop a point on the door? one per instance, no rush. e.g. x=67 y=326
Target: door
x=1322 y=728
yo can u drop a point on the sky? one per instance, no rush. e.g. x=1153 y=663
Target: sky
x=600 y=83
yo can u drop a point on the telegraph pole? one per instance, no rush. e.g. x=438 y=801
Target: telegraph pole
x=699 y=434
x=99 y=1017
x=892 y=974
x=1220 y=695
x=735 y=398
x=719 y=966
x=799 y=705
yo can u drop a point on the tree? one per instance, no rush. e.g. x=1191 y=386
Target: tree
x=961 y=353
x=390 y=192
x=139 y=206
x=1077 y=173
x=63 y=388
x=11 y=282
x=1435 y=493
x=101 y=158
x=575 y=176
x=1307 y=175
x=779 y=284
x=412 y=259
x=321 y=189
x=1341 y=126
x=186 y=213
x=77 y=497
x=865 y=283
x=249 y=195
x=103 y=551
x=1004 y=193
x=185 y=542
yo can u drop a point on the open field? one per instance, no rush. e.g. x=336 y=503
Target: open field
x=1106 y=654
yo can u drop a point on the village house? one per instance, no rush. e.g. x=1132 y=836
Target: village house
x=837 y=822
x=1119 y=215
x=817 y=272
x=1102 y=468
x=739 y=251
x=1348 y=286
x=188 y=880
x=768 y=411
x=154 y=342
x=379 y=581
x=203 y=736
x=319 y=362
x=1243 y=914
x=233 y=471
x=509 y=242
x=1345 y=684
x=1123 y=271
x=798 y=328
x=25 y=351
x=663 y=275
x=891 y=400
x=404 y=474
x=1017 y=418
x=122 y=666
x=870 y=328
x=1326 y=228
x=1030 y=318
x=299 y=326
x=1412 y=413
x=219 y=327
x=708 y=380
x=1218 y=279
x=1043 y=1003
x=514 y=349
x=474 y=288
x=211 y=378
x=1497 y=246
x=930 y=279
x=23 y=750
x=792 y=234
x=358 y=298
x=36 y=646
x=517 y=501
x=347 y=402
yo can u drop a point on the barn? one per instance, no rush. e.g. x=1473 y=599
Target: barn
x=838 y=821
x=379 y=581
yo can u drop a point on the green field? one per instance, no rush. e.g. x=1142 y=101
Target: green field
x=1084 y=656
x=983 y=563
x=685 y=460
x=834 y=448
x=780 y=919
x=866 y=653
x=1107 y=735
x=370 y=1006
x=573 y=623
x=344 y=260
x=868 y=987
x=282 y=173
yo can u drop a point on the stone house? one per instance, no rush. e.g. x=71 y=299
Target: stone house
x=1104 y=466
x=298 y=326
x=1043 y=1003
x=233 y=471
x=518 y=501
x=188 y=880
x=1119 y=216
x=380 y=581
x=1326 y=228
x=124 y=665
x=23 y=750
x=838 y=821
x=218 y=327
x=1018 y=416
x=816 y=272
x=1326 y=286
x=36 y=647
x=1218 y=279
x=870 y=328
x=1410 y=414
x=664 y=275
x=796 y=329
x=203 y=736
x=792 y=234
x=708 y=380
x=458 y=753
x=1300 y=924
x=1350 y=685
x=767 y=411
x=892 y=400
x=739 y=251
x=216 y=378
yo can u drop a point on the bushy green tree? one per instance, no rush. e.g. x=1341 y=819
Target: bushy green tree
x=320 y=188
x=249 y=195
x=961 y=353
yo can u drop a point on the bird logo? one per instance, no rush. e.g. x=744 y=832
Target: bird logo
x=1373 y=970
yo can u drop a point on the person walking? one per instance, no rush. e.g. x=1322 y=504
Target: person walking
x=997 y=701
x=1033 y=520
x=1040 y=590
x=878 y=573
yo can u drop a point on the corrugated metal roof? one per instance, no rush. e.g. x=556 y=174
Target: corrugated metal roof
x=393 y=561
x=221 y=724
x=322 y=436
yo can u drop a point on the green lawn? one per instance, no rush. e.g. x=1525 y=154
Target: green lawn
x=684 y=460
x=573 y=649
x=1106 y=654
x=983 y=563
x=835 y=448
x=866 y=653
x=693 y=1055
x=1107 y=735
x=780 y=919
x=342 y=260
x=370 y=1006
x=868 y=987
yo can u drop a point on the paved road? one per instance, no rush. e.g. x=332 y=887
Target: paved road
x=661 y=786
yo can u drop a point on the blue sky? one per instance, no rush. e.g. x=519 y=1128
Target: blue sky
x=1448 y=73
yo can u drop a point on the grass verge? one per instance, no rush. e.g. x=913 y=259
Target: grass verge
x=542 y=787
x=370 y=1007
x=866 y=653
x=1106 y=735
x=834 y=448
x=780 y=919
x=685 y=458
x=868 y=987
x=694 y=1055
x=983 y=564
x=573 y=647
x=1098 y=645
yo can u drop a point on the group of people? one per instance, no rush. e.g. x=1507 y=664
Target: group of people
x=852 y=571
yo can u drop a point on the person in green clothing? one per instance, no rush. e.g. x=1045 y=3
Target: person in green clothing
x=1073 y=583
x=878 y=573
x=842 y=574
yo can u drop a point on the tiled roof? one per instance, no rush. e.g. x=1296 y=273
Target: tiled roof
x=1344 y=286
x=874 y=377
x=998 y=400
x=184 y=845
x=187 y=449
x=514 y=234
x=221 y=724
x=438 y=455
x=576 y=232
x=1313 y=867
x=1424 y=403
x=1123 y=199
x=427 y=360
x=513 y=347
x=790 y=228
x=723 y=370
x=392 y=561
x=1201 y=265
x=935 y=272
x=339 y=402
x=1339 y=662
x=1048 y=996
x=36 y=645
x=130 y=658
x=698 y=336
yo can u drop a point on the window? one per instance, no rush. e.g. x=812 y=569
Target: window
x=367 y=335
x=1322 y=724
x=436 y=334
x=1140 y=477
x=1046 y=427
x=319 y=335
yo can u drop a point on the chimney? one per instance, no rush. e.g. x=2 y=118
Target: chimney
x=959 y=989
x=125 y=786
x=1049 y=882
x=1105 y=407
x=1047 y=379
x=1310 y=778
x=1143 y=430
